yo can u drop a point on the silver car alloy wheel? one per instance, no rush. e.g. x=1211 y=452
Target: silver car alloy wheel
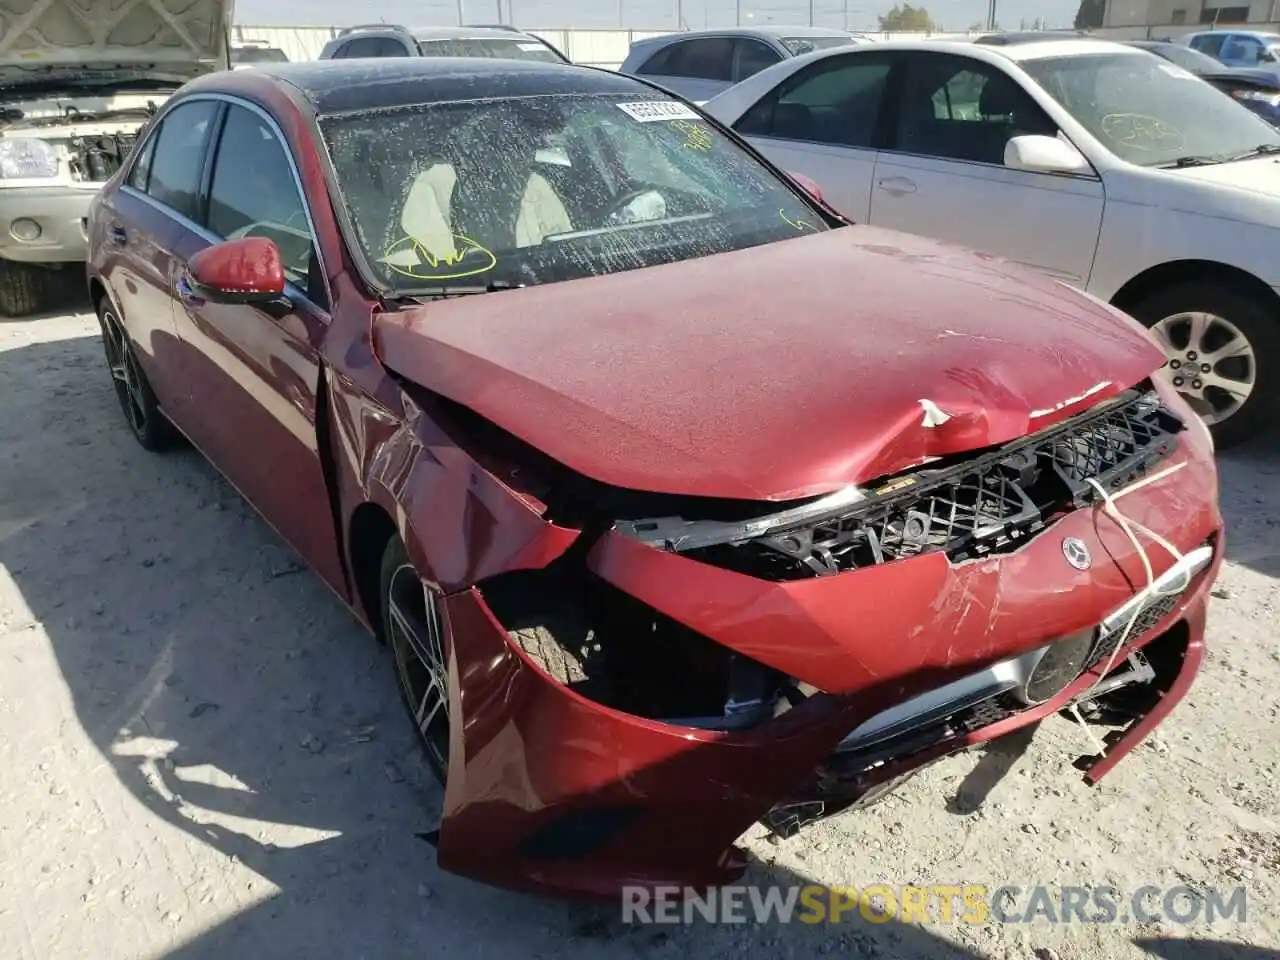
x=417 y=642
x=125 y=374
x=1211 y=362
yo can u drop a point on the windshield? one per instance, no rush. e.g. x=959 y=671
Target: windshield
x=1185 y=57
x=548 y=188
x=500 y=48
x=799 y=46
x=1150 y=112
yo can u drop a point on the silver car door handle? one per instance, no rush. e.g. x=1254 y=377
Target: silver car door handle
x=896 y=186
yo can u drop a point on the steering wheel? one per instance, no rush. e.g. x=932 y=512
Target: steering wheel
x=1141 y=132
x=621 y=202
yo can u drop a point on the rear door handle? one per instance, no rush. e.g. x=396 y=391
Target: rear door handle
x=896 y=186
x=116 y=234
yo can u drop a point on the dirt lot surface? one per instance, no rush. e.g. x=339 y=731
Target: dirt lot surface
x=203 y=755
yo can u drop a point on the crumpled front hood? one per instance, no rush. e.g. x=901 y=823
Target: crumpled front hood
x=777 y=372
x=42 y=37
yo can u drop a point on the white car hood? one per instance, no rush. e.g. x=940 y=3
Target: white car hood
x=1261 y=176
x=180 y=37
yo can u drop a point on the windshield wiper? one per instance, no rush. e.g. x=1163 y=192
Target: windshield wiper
x=447 y=291
x=1195 y=160
x=1261 y=150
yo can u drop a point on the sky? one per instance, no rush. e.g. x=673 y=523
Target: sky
x=641 y=14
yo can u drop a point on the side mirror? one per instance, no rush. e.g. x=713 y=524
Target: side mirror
x=1040 y=154
x=807 y=185
x=244 y=271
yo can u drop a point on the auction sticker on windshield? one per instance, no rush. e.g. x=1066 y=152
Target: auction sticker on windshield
x=647 y=111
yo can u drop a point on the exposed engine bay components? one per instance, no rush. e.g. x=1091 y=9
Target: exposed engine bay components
x=98 y=158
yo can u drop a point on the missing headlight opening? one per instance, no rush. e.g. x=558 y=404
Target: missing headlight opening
x=984 y=503
x=98 y=158
x=615 y=650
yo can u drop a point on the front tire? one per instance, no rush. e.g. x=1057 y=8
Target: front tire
x=1224 y=354
x=138 y=403
x=413 y=625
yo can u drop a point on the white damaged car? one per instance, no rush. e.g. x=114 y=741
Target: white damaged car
x=79 y=79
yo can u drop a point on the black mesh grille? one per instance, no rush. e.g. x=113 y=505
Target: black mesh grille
x=982 y=504
x=1151 y=614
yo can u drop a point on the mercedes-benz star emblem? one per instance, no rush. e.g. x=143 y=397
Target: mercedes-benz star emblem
x=1077 y=553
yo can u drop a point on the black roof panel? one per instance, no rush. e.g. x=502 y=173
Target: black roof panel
x=341 y=86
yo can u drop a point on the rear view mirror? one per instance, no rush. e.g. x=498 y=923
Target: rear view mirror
x=247 y=271
x=1041 y=154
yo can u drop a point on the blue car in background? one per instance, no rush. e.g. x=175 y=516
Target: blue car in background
x=1255 y=88
x=1237 y=48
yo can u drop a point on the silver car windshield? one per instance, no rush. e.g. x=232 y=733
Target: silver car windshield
x=1151 y=112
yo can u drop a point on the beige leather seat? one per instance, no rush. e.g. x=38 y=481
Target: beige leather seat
x=427 y=214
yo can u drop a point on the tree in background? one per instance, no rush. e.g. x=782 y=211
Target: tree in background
x=1090 y=14
x=904 y=18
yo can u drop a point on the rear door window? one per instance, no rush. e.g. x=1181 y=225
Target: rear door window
x=372 y=47
x=1210 y=44
x=709 y=58
x=837 y=101
x=752 y=57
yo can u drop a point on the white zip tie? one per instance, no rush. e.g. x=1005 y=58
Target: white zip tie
x=1131 y=528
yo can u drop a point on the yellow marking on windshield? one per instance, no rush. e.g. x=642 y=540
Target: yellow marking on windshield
x=409 y=258
x=801 y=225
x=696 y=136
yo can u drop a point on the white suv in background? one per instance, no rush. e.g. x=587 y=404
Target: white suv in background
x=1100 y=164
x=70 y=115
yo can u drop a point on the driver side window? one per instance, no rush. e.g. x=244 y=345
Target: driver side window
x=254 y=193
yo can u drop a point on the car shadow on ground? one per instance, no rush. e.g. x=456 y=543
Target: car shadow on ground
x=239 y=702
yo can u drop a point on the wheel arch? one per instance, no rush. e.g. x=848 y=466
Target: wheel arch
x=369 y=531
x=1191 y=271
x=97 y=291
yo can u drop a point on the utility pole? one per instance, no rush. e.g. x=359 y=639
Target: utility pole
x=811 y=13
x=499 y=11
x=461 y=21
x=738 y=12
x=846 y=16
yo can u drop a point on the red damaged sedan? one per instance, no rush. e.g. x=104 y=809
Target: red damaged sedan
x=681 y=503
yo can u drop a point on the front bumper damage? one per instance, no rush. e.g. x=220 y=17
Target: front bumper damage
x=897 y=633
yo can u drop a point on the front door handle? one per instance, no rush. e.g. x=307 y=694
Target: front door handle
x=186 y=292
x=116 y=234
x=896 y=186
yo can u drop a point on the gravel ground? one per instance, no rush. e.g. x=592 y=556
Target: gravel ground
x=204 y=756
